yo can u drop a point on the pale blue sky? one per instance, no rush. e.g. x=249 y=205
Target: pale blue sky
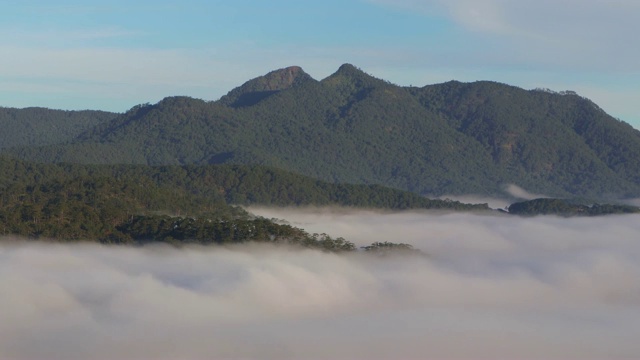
x=112 y=55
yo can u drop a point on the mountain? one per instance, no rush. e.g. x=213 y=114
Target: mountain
x=450 y=138
x=258 y=89
x=39 y=126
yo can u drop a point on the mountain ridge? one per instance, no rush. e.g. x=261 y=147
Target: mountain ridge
x=259 y=88
x=449 y=138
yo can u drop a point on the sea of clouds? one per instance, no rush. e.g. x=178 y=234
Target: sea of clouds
x=488 y=287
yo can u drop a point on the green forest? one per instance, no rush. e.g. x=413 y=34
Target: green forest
x=568 y=207
x=135 y=204
x=181 y=170
x=444 y=139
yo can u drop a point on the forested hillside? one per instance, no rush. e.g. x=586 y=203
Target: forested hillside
x=176 y=204
x=451 y=138
x=211 y=184
x=40 y=126
x=564 y=207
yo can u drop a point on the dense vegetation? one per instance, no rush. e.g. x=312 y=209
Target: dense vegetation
x=39 y=126
x=173 y=172
x=131 y=210
x=126 y=212
x=451 y=138
x=207 y=231
x=564 y=207
x=385 y=248
x=232 y=184
x=134 y=204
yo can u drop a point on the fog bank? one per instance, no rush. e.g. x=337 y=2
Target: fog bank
x=491 y=287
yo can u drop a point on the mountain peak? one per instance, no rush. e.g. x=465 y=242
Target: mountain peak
x=348 y=67
x=257 y=89
x=351 y=74
x=350 y=70
x=280 y=79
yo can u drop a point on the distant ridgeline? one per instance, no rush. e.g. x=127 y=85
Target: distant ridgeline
x=564 y=207
x=451 y=138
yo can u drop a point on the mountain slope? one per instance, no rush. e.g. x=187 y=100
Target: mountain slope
x=450 y=138
x=40 y=126
x=255 y=90
x=543 y=137
x=192 y=188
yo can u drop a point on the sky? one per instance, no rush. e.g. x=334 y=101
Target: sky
x=112 y=55
x=489 y=287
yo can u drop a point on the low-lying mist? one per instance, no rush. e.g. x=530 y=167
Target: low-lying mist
x=490 y=287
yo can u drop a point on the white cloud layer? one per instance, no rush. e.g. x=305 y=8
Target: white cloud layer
x=492 y=287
